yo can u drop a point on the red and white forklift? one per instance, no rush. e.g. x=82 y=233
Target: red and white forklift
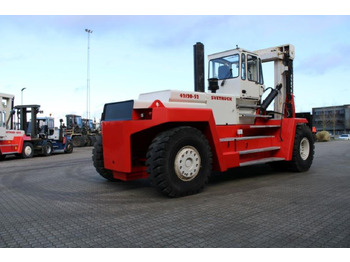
x=23 y=134
x=177 y=138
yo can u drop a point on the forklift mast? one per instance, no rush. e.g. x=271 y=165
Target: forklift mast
x=283 y=57
x=22 y=111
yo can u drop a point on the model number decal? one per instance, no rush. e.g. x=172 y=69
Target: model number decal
x=191 y=96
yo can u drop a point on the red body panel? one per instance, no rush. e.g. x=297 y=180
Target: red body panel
x=13 y=146
x=120 y=136
x=117 y=135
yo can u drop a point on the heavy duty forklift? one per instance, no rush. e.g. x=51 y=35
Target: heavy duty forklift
x=83 y=131
x=177 y=138
x=60 y=141
x=24 y=138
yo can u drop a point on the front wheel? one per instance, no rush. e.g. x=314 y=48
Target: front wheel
x=304 y=149
x=78 y=141
x=28 y=150
x=179 y=161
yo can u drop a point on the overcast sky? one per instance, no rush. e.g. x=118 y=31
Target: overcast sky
x=130 y=55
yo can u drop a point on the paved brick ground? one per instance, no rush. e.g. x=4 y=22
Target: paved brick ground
x=60 y=201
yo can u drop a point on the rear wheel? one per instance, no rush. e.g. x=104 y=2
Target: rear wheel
x=28 y=150
x=92 y=139
x=179 y=161
x=47 y=149
x=97 y=158
x=303 y=151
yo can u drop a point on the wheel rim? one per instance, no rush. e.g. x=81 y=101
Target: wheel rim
x=27 y=150
x=304 y=148
x=187 y=163
x=48 y=149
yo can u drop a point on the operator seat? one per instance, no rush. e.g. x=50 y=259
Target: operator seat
x=224 y=72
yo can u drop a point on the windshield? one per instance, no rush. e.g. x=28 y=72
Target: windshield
x=91 y=125
x=224 y=67
x=78 y=121
x=73 y=121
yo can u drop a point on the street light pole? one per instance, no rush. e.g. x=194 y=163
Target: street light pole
x=88 y=76
x=22 y=94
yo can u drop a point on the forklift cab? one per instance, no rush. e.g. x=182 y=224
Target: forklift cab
x=74 y=121
x=46 y=126
x=236 y=72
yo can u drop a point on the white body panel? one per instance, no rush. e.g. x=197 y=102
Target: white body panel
x=238 y=96
x=224 y=106
x=6 y=102
x=237 y=86
x=9 y=134
x=56 y=134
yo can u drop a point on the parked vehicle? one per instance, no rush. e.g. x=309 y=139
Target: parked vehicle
x=177 y=138
x=23 y=137
x=344 y=137
x=82 y=131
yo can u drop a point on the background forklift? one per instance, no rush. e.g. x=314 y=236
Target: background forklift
x=59 y=140
x=26 y=138
x=82 y=131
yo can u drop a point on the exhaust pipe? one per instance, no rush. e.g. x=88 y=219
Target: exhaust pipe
x=198 y=57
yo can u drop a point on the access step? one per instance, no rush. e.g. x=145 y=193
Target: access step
x=240 y=138
x=262 y=161
x=259 y=150
x=264 y=126
x=255 y=115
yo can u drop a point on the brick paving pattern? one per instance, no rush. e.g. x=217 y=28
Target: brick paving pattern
x=60 y=201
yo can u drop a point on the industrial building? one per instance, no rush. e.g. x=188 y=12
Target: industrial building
x=334 y=119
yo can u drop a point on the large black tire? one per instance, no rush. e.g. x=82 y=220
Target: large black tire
x=303 y=150
x=89 y=141
x=47 y=149
x=69 y=147
x=179 y=161
x=84 y=140
x=93 y=139
x=97 y=158
x=28 y=150
x=78 y=141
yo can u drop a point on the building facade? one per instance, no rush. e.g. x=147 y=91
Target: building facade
x=334 y=119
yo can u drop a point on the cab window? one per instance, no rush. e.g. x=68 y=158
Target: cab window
x=2 y=118
x=252 y=62
x=243 y=67
x=224 y=67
